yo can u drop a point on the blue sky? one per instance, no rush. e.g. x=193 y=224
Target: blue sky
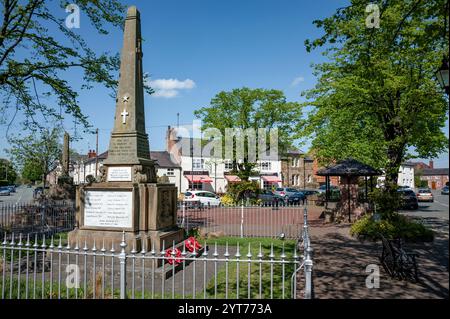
x=204 y=47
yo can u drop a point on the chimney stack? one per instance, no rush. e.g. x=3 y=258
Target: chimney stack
x=431 y=164
x=92 y=154
x=171 y=144
x=171 y=139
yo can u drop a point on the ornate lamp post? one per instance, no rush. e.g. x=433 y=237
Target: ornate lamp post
x=442 y=75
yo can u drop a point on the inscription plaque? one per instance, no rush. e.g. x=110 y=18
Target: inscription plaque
x=119 y=174
x=108 y=209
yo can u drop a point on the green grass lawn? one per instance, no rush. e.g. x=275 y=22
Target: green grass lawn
x=260 y=281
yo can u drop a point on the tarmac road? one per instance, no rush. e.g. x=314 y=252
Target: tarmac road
x=22 y=195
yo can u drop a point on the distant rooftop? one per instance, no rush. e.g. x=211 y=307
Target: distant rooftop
x=434 y=171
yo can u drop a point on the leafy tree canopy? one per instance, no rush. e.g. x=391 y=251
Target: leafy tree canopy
x=377 y=96
x=37 y=153
x=38 y=50
x=32 y=171
x=8 y=174
x=247 y=108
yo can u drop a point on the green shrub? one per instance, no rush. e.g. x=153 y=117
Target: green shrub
x=227 y=200
x=193 y=232
x=397 y=227
x=242 y=189
x=386 y=202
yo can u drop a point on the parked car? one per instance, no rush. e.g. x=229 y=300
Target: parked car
x=285 y=192
x=409 y=199
x=270 y=198
x=4 y=191
x=12 y=188
x=444 y=190
x=204 y=197
x=322 y=188
x=38 y=191
x=425 y=195
x=296 y=199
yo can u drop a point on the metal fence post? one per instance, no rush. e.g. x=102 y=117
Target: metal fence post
x=242 y=219
x=183 y=205
x=123 y=268
x=308 y=273
x=305 y=229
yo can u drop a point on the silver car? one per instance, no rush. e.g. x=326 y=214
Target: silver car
x=4 y=191
x=285 y=192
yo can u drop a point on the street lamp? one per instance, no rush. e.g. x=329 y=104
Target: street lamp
x=442 y=75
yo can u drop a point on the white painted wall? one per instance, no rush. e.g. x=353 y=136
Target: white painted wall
x=405 y=177
x=217 y=172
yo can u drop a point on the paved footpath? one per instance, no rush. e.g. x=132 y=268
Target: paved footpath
x=340 y=263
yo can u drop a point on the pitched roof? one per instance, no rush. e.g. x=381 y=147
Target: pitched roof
x=349 y=167
x=163 y=159
x=434 y=171
x=101 y=156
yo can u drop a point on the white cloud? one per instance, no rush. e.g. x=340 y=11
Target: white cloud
x=169 y=88
x=297 y=80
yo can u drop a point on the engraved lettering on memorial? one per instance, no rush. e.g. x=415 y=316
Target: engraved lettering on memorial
x=108 y=209
x=119 y=174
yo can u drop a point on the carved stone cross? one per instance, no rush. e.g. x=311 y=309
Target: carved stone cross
x=124 y=115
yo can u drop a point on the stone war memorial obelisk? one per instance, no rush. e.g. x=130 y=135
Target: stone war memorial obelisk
x=126 y=196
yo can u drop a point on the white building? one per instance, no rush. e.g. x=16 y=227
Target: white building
x=202 y=172
x=405 y=176
x=188 y=171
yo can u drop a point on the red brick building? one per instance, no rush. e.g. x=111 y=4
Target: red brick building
x=436 y=177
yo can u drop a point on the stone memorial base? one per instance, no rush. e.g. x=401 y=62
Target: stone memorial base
x=146 y=212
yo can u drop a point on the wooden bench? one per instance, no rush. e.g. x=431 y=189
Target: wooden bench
x=396 y=261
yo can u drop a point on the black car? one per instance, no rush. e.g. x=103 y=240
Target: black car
x=444 y=190
x=409 y=199
x=268 y=198
x=38 y=191
x=296 y=198
x=12 y=188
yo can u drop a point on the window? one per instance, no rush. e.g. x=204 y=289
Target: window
x=266 y=166
x=170 y=172
x=195 y=186
x=198 y=163
x=228 y=165
x=267 y=185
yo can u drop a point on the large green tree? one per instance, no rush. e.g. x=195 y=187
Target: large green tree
x=377 y=98
x=37 y=152
x=32 y=171
x=38 y=52
x=8 y=174
x=255 y=109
